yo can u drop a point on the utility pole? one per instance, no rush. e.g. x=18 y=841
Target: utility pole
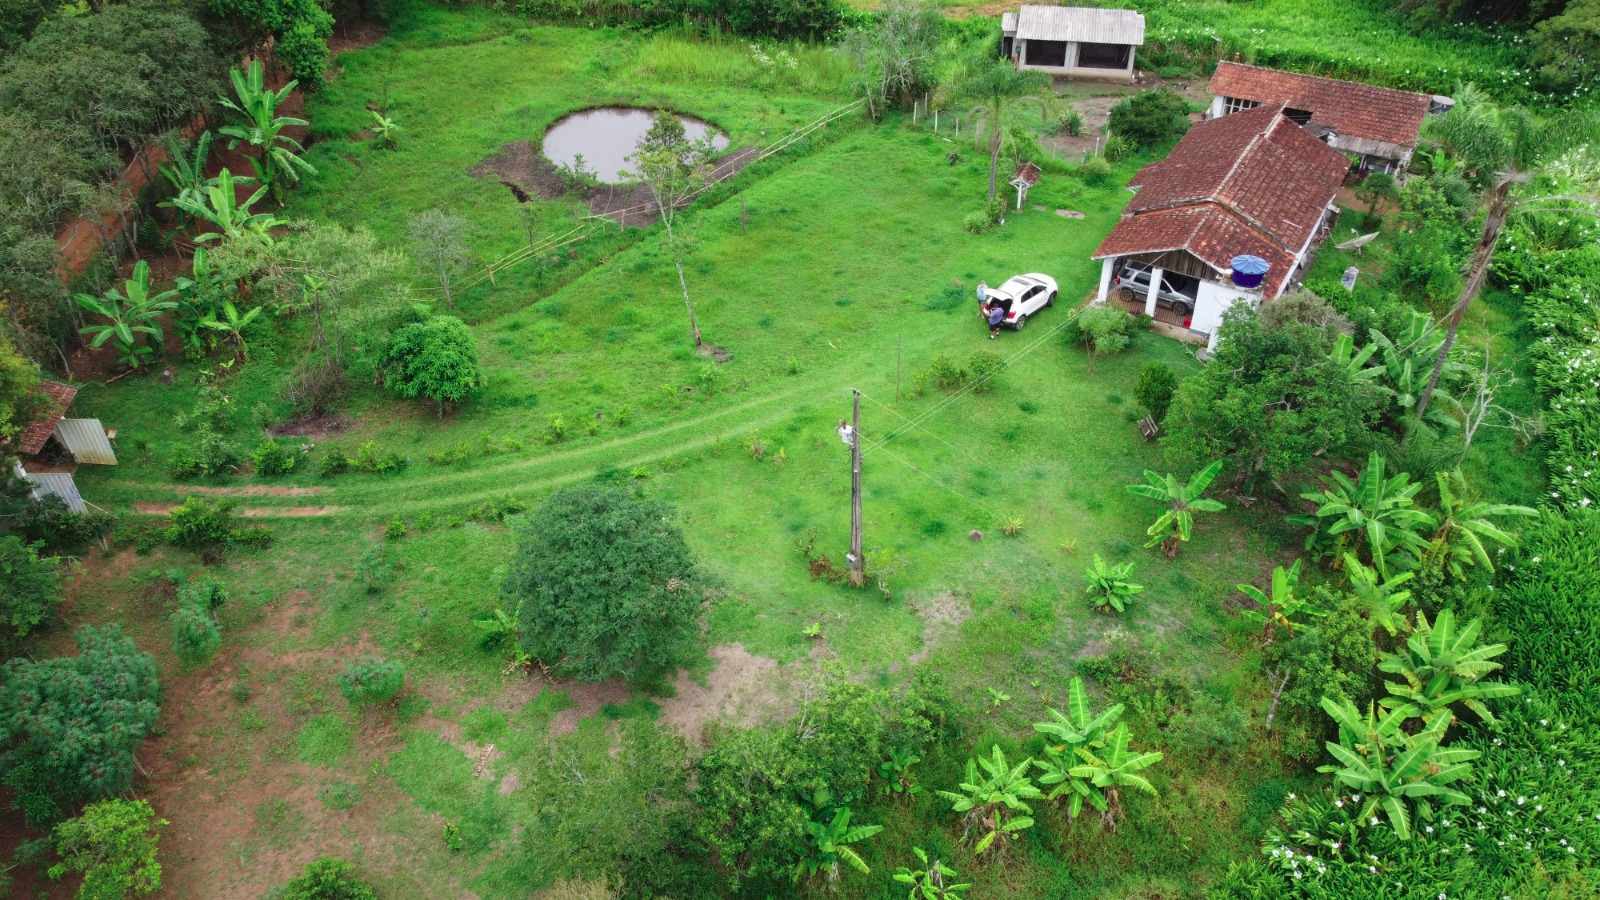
x=857 y=573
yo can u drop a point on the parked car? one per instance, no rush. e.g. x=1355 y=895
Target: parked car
x=1177 y=291
x=1022 y=296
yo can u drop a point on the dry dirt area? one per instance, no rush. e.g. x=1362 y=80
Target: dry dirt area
x=941 y=617
x=526 y=173
x=741 y=689
x=151 y=508
x=254 y=490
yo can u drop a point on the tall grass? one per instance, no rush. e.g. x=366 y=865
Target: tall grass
x=685 y=56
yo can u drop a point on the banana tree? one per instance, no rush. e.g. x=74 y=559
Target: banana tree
x=1109 y=587
x=197 y=296
x=1440 y=666
x=1371 y=508
x=260 y=126
x=1407 y=362
x=1463 y=526
x=931 y=883
x=993 y=802
x=384 y=128
x=220 y=207
x=1380 y=597
x=1278 y=609
x=1183 y=500
x=828 y=844
x=232 y=324
x=1076 y=730
x=1110 y=770
x=1400 y=775
x=1352 y=361
x=129 y=313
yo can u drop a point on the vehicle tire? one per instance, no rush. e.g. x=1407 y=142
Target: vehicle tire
x=1021 y=321
x=1182 y=309
x=1050 y=300
x=1124 y=294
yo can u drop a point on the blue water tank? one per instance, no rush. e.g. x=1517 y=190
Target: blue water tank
x=1249 y=270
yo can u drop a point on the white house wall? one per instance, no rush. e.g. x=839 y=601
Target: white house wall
x=1212 y=300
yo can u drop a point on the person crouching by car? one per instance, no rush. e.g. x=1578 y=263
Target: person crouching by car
x=997 y=314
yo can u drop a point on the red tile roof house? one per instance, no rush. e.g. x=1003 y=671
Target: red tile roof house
x=85 y=439
x=1253 y=183
x=1378 y=126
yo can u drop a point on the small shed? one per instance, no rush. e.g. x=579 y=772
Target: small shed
x=84 y=440
x=1074 y=41
x=1027 y=176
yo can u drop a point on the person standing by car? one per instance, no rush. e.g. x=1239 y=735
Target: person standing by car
x=983 y=297
x=997 y=314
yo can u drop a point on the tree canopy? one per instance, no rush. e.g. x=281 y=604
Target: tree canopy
x=606 y=584
x=69 y=725
x=436 y=359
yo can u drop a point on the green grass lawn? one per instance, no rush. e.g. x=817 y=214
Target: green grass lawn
x=851 y=273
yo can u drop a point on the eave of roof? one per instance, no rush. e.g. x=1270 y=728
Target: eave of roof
x=39 y=430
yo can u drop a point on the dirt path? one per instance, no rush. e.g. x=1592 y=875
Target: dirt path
x=151 y=508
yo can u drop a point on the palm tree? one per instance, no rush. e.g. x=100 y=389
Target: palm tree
x=197 y=295
x=990 y=801
x=129 y=313
x=1373 y=508
x=261 y=127
x=1514 y=148
x=1464 y=526
x=995 y=87
x=1278 y=607
x=1176 y=524
x=1393 y=772
x=1440 y=666
x=1111 y=770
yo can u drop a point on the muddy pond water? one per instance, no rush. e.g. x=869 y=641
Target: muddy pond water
x=606 y=136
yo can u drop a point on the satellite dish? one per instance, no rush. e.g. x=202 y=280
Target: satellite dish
x=1356 y=243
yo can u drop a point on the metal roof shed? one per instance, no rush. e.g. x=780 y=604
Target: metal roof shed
x=1077 y=41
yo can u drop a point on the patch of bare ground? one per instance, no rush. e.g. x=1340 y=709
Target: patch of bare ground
x=527 y=173
x=587 y=699
x=151 y=508
x=714 y=353
x=314 y=427
x=741 y=688
x=941 y=615
x=254 y=490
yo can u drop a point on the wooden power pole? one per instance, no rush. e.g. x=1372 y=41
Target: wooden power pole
x=857 y=571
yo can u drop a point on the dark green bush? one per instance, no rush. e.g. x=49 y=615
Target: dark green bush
x=1157 y=383
x=272 y=457
x=1150 y=118
x=30 y=585
x=327 y=879
x=195 y=635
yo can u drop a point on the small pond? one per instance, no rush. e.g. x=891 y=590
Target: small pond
x=608 y=135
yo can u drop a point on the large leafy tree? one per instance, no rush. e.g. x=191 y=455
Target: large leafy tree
x=69 y=725
x=1394 y=773
x=1440 y=665
x=436 y=359
x=1511 y=148
x=1269 y=401
x=21 y=400
x=674 y=169
x=1176 y=523
x=113 y=843
x=30 y=585
x=897 y=53
x=299 y=28
x=1373 y=510
x=607 y=584
x=1150 y=118
x=995 y=90
x=256 y=122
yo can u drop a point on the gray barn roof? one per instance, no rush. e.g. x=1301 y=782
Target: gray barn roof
x=1078 y=23
x=1008 y=23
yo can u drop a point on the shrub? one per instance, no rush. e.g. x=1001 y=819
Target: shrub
x=369 y=459
x=1102 y=328
x=983 y=368
x=328 y=879
x=209 y=454
x=274 y=458
x=198 y=524
x=113 y=843
x=339 y=795
x=195 y=635
x=369 y=680
x=1150 y=118
x=1095 y=170
x=396 y=529
x=30 y=585
x=1154 y=391
x=436 y=359
x=986 y=218
x=606 y=583
x=203 y=592
x=1070 y=123
x=334 y=461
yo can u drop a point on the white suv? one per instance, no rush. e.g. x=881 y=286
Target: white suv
x=1022 y=296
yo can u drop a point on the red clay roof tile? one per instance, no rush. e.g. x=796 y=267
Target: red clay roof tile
x=39 y=430
x=1348 y=107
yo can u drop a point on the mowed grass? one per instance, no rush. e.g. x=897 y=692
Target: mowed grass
x=844 y=268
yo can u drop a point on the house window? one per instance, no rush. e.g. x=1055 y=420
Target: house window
x=1235 y=104
x=1103 y=56
x=1046 y=53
